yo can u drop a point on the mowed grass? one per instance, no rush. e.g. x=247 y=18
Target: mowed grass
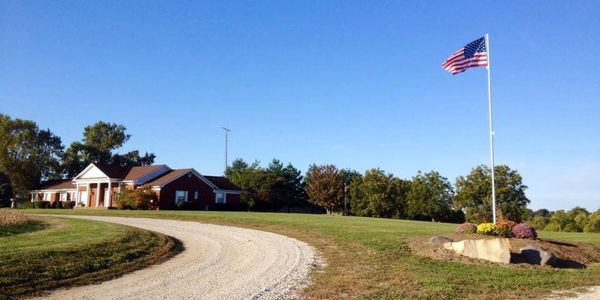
x=368 y=257
x=49 y=253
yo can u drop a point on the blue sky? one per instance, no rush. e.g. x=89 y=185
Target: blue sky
x=354 y=83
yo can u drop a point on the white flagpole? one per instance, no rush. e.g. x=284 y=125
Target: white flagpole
x=487 y=49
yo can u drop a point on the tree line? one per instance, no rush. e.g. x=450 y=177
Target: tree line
x=376 y=193
x=30 y=155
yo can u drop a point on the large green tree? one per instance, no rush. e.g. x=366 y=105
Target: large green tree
x=6 y=191
x=325 y=187
x=378 y=194
x=28 y=154
x=430 y=198
x=99 y=142
x=254 y=180
x=474 y=194
x=286 y=187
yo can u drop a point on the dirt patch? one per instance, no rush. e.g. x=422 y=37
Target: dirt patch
x=569 y=254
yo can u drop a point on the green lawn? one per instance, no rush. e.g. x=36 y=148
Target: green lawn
x=368 y=258
x=53 y=252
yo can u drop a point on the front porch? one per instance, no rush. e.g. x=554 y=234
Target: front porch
x=97 y=194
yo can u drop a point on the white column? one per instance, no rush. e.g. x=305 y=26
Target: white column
x=87 y=199
x=97 y=194
x=109 y=202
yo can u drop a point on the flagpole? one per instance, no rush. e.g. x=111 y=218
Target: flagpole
x=489 y=82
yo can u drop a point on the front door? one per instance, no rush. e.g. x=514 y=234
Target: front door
x=92 y=201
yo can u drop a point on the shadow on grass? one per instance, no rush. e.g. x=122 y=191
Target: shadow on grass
x=31 y=226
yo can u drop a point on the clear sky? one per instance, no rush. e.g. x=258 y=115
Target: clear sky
x=354 y=83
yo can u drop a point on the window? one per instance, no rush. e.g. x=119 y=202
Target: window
x=180 y=196
x=195 y=195
x=220 y=198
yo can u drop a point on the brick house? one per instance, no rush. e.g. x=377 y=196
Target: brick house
x=98 y=186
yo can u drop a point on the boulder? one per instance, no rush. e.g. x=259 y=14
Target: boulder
x=494 y=250
x=439 y=240
x=537 y=256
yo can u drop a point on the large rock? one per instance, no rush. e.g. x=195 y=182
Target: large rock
x=494 y=250
x=537 y=256
x=439 y=240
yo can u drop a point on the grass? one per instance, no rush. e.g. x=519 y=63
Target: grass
x=368 y=257
x=49 y=253
x=30 y=226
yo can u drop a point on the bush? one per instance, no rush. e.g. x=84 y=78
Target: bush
x=9 y=217
x=185 y=205
x=505 y=227
x=141 y=198
x=466 y=228
x=41 y=204
x=593 y=225
x=487 y=229
x=524 y=231
x=552 y=227
x=24 y=204
x=68 y=204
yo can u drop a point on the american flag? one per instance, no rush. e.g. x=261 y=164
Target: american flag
x=474 y=54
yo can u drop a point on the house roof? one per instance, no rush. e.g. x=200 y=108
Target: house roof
x=60 y=184
x=222 y=182
x=137 y=172
x=169 y=176
x=114 y=171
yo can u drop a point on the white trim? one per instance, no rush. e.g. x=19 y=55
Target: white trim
x=90 y=166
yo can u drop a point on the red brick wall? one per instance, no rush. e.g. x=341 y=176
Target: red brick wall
x=233 y=198
x=190 y=184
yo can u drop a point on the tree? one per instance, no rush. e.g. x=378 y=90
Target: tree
x=28 y=155
x=140 y=198
x=253 y=180
x=286 y=187
x=473 y=194
x=99 y=142
x=378 y=194
x=325 y=187
x=6 y=191
x=430 y=197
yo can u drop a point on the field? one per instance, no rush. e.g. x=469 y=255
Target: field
x=369 y=258
x=53 y=252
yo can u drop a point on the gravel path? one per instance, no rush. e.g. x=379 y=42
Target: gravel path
x=219 y=262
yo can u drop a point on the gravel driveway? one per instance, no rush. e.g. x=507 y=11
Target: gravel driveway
x=219 y=262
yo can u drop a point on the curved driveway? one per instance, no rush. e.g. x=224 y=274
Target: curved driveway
x=219 y=262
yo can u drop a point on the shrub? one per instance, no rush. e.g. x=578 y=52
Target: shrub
x=505 y=227
x=185 y=205
x=68 y=204
x=487 y=229
x=41 y=204
x=141 y=198
x=9 y=217
x=466 y=228
x=552 y=227
x=24 y=204
x=524 y=231
x=593 y=225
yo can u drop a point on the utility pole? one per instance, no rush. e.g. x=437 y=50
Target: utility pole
x=226 y=137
